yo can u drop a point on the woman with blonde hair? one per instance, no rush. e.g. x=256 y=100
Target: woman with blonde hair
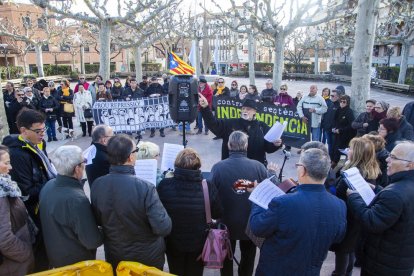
x=148 y=150
x=382 y=154
x=362 y=156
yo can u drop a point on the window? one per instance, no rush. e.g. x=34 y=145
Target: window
x=27 y=23
x=41 y=23
x=45 y=48
x=64 y=48
x=86 y=48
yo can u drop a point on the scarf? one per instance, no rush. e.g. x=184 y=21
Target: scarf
x=220 y=90
x=326 y=97
x=8 y=187
x=378 y=116
x=66 y=92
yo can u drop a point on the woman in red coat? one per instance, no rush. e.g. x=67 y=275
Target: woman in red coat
x=206 y=91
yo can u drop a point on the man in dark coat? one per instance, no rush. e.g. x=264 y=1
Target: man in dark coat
x=300 y=227
x=155 y=90
x=69 y=228
x=97 y=157
x=388 y=221
x=328 y=120
x=8 y=97
x=365 y=122
x=269 y=94
x=133 y=219
x=20 y=101
x=132 y=92
x=408 y=112
x=257 y=146
x=144 y=83
x=236 y=204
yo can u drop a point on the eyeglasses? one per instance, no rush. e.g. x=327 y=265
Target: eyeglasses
x=378 y=107
x=20 y=95
x=392 y=156
x=81 y=78
x=135 y=150
x=343 y=102
x=282 y=88
x=28 y=90
x=333 y=96
x=38 y=130
x=221 y=82
x=84 y=161
x=234 y=84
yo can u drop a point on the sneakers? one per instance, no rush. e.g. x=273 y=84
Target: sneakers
x=54 y=139
x=71 y=133
x=216 y=138
x=206 y=133
x=162 y=134
x=152 y=134
x=199 y=131
x=49 y=139
x=59 y=129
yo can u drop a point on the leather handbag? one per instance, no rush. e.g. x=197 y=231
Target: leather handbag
x=87 y=113
x=68 y=108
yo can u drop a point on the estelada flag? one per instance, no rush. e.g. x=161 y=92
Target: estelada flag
x=178 y=66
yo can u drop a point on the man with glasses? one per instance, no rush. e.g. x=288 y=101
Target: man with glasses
x=31 y=168
x=328 y=121
x=30 y=83
x=268 y=95
x=300 y=227
x=20 y=101
x=82 y=80
x=97 y=157
x=388 y=221
x=69 y=227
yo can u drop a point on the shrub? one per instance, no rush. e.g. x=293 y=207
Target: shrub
x=299 y=68
x=15 y=72
x=341 y=69
x=52 y=70
x=94 y=68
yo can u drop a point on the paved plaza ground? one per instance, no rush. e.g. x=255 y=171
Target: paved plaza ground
x=210 y=150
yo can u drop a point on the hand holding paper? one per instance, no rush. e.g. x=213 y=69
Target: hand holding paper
x=275 y=133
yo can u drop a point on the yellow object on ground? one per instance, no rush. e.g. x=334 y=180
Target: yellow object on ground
x=85 y=268
x=137 y=269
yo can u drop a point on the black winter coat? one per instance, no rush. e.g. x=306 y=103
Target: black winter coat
x=365 y=117
x=258 y=146
x=388 y=223
x=406 y=130
x=100 y=164
x=182 y=197
x=328 y=118
x=14 y=110
x=8 y=99
x=49 y=102
x=343 y=122
x=236 y=206
x=132 y=94
x=116 y=92
x=391 y=140
x=165 y=87
x=408 y=112
x=154 y=88
x=382 y=179
x=268 y=95
x=133 y=219
x=28 y=171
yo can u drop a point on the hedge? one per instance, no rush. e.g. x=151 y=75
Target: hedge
x=52 y=70
x=391 y=73
x=341 y=69
x=15 y=72
x=94 y=68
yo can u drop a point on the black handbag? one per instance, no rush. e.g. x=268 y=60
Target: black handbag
x=88 y=113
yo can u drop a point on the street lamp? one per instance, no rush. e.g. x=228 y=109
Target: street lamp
x=5 y=51
x=345 y=52
x=389 y=53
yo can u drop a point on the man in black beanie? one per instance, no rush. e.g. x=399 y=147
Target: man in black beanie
x=256 y=130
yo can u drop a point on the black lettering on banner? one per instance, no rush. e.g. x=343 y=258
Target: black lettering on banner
x=296 y=132
x=133 y=116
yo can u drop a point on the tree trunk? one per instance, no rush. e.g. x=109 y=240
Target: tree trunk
x=128 y=60
x=138 y=64
x=278 y=60
x=251 y=58
x=206 y=55
x=82 y=59
x=362 y=57
x=39 y=60
x=197 y=57
x=105 y=50
x=73 y=64
x=25 y=66
x=167 y=60
x=405 y=51
x=316 y=68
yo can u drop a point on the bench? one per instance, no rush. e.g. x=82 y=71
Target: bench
x=397 y=87
x=342 y=78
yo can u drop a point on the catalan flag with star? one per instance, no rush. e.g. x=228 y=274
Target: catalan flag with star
x=178 y=66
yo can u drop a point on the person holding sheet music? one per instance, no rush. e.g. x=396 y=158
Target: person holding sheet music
x=362 y=156
x=388 y=221
x=300 y=227
x=257 y=146
x=148 y=150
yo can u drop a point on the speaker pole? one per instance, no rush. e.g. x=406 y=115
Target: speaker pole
x=184 y=140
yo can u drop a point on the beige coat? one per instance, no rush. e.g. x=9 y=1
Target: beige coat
x=15 y=244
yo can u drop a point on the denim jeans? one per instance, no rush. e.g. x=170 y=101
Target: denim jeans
x=328 y=137
x=51 y=129
x=316 y=133
x=200 y=122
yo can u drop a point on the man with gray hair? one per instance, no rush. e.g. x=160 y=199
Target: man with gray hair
x=235 y=203
x=70 y=231
x=269 y=94
x=97 y=157
x=300 y=227
x=388 y=221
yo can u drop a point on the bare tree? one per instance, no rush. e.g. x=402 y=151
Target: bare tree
x=362 y=59
x=35 y=31
x=297 y=46
x=399 y=29
x=134 y=13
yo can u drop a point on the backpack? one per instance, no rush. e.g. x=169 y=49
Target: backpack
x=217 y=245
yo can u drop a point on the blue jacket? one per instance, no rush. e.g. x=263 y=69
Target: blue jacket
x=299 y=229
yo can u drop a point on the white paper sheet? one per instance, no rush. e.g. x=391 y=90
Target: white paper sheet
x=275 y=132
x=264 y=193
x=359 y=184
x=146 y=170
x=169 y=154
x=89 y=154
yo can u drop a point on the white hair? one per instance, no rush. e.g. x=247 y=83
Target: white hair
x=66 y=158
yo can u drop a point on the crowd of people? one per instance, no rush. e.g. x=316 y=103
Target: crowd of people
x=48 y=221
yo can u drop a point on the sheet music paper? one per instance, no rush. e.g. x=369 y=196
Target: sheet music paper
x=146 y=170
x=275 y=132
x=358 y=183
x=169 y=154
x=264 y=193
